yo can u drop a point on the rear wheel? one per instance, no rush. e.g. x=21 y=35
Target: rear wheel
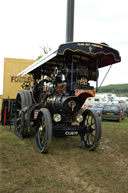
x=43 y=130
x=91 y=135
x=23 y=100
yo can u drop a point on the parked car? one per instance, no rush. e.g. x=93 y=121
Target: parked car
x=97 y=108
x=112 y=112
x=123 y=107
x=127 y=110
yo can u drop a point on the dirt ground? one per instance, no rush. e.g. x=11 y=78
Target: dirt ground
x=67 y=168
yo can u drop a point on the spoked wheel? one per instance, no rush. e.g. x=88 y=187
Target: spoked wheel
x=91 y=135
x=19 y=124
x=23 y=99
x=43 y=130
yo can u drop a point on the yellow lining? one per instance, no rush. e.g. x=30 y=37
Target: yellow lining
x=78 y=50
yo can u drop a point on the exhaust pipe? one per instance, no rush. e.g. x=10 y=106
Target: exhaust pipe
x=70 y=21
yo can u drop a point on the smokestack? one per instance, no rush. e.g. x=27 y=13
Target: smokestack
x=70 y=21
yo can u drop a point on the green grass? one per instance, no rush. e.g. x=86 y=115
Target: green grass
x=67 y=168
x=114 y=124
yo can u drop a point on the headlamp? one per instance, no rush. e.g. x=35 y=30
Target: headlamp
x=79 y=118
x=57 y=117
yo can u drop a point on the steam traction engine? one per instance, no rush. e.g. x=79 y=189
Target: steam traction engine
x=53 y=106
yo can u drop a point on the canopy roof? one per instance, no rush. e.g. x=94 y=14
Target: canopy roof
x=92 y=54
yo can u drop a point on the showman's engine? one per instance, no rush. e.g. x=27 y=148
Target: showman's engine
x=54 y=105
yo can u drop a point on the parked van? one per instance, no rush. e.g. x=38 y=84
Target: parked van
x=93 y=100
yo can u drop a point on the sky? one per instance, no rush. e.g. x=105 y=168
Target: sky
x=27 y=25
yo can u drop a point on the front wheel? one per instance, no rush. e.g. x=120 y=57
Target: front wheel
x=91 y=135
x=43 y=130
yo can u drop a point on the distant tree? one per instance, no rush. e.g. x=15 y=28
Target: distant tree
x=119 y=89
x=39 y=57
x=46 y=49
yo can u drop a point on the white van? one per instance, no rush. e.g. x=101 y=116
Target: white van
x=93 y=100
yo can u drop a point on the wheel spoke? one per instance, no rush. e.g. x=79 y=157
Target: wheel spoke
x=19 y=102
x=92 y=121
x=43 y=125
x=87 y=121
x=19 y=118
x=90 y=139
x=92 y=127
x=19 y=110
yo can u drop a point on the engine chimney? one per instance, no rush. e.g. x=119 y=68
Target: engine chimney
x=70 y=21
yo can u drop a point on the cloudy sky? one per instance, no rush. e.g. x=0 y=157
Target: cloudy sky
x=27 y=25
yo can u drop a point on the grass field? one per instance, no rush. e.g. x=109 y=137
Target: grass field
x=67 y=168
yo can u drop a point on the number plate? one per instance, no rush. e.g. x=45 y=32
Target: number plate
x=110 y=113
x=71 y=133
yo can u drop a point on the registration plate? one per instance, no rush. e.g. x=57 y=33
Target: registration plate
x=110 y=113
x=71 y=133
